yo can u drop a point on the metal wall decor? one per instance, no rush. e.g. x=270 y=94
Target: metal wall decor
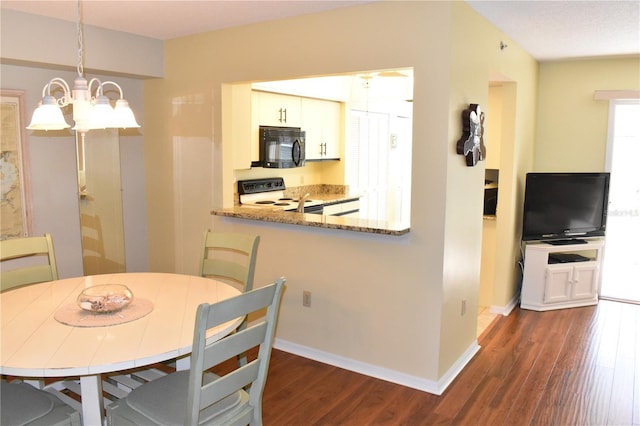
x=471 y=144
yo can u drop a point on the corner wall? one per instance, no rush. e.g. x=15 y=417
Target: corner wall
x=390 y=303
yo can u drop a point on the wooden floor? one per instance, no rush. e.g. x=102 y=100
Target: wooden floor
x=577 y=366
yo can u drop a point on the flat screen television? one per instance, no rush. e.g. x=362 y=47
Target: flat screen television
x=565 y=207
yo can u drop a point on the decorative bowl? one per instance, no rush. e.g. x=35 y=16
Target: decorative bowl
x=105 y=298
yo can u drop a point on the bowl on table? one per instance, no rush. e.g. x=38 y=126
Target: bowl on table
x=105 y=298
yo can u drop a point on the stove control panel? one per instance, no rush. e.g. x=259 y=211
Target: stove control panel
x=255 y=186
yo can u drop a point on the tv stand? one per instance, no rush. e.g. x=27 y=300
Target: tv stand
x=561 y=276
x=567 y=242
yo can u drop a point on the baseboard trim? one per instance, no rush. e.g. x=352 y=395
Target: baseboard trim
x=430 y=386
x=505 y=310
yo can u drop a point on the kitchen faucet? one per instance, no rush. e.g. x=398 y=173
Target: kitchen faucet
x=303 y=199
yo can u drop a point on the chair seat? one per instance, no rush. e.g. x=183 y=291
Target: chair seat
x=22 y=404
x=144 y=405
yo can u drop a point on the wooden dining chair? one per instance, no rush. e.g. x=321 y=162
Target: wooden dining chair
x=198 y=397
x=28 y=260
x=22 y=404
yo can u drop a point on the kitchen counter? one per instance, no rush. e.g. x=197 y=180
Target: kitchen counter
x=316 y=220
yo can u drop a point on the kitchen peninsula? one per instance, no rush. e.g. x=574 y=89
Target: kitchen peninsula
x=316 y=220
x=324 y=206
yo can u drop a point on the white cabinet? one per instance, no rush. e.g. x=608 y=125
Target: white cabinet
x=561 y=276
x=274 y=109
x=342 y=208
x=320 y=119
x=237 y=125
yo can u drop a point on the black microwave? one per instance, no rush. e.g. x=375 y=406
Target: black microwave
x=281 y=147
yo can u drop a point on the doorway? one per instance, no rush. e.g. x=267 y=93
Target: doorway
x=621 y=266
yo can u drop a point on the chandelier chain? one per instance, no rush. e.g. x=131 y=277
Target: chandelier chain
x=89 y=112
x=80 y=67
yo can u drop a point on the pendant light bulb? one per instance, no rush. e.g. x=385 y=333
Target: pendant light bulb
x=102 y=114
x=123 y=116
x=48 y=116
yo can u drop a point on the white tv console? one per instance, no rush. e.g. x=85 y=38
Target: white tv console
x=561 y=276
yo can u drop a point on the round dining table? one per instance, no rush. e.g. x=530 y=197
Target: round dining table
x=35 y=343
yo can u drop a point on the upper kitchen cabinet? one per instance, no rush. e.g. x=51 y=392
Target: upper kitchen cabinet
x=274 y=109
x=321 y=120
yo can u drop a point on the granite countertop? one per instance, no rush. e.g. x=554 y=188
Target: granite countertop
x=329 y=194
x=316 y=220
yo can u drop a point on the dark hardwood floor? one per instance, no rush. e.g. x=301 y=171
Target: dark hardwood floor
x=577 y=366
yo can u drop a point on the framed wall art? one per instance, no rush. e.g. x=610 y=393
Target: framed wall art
x=15 y=202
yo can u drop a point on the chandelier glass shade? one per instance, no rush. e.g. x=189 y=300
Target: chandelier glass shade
x=91 y=109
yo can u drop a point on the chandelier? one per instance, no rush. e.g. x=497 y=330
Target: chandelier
x=91 y=109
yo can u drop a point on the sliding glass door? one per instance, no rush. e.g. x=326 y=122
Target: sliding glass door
x=621 y=270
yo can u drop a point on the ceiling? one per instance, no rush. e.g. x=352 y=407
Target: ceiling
x=548 y=30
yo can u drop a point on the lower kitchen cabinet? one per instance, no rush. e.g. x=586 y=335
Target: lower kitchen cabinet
x=341 y=208
x=565 y=276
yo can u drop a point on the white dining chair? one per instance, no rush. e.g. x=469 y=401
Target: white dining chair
x=198 y=397
x=226 y=256
x=230 y=256
x=27 y=260
x=22 y=404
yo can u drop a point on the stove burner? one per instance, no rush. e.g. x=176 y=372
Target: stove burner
x=281 y=204
x=285 y=199
x=265 y=202
x=306 y=201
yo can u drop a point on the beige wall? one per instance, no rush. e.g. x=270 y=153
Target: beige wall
x=390 y=303
x=477 y=60
x=572 y=125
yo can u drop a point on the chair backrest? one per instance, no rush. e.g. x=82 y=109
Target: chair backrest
x=18 y=272
x=205 y=356
x=231 y=256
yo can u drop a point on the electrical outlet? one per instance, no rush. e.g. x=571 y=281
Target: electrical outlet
x=306 y=299
x=463 y=307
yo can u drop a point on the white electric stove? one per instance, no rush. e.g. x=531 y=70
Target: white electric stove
x=268 y=193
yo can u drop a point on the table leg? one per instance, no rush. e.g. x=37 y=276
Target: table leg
x=92 y=406
x=183 y=363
